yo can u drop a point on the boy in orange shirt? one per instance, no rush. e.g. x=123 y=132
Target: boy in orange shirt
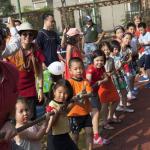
x=79 y=114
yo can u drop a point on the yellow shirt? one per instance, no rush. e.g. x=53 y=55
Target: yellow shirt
x=61 y=125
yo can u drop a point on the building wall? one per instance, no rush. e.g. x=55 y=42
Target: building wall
x=23 y=3
x=111 y=15
x=35 y=4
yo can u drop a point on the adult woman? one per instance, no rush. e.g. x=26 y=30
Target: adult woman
x=29 y=60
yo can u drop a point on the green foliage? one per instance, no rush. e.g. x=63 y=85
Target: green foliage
x=46 y=9
x=27 y=8
x=34 y=17
x=6 y=8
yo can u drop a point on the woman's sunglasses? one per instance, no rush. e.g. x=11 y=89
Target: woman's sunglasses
x=30 y=34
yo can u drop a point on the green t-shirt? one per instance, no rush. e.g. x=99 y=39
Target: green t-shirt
x=91 y=33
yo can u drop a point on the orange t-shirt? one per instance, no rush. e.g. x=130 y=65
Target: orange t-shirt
x=84 y=108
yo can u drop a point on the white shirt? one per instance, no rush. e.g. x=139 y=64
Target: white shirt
x=13 y=45
x=26 y=144
x=134 y=44
x=145 y=39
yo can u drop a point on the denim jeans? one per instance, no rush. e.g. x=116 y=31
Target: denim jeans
x=88 y=49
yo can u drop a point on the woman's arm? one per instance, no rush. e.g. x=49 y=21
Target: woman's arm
x=13 y=44
x=68 y=53
x=40 y=81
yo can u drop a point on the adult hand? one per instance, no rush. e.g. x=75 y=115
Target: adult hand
x=40 y=95
x=9 y=131
x=65 y=30
x=10 y=23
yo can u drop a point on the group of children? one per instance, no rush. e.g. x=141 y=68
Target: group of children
x=88 y=95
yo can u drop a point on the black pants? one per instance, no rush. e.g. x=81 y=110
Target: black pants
x=61 y=142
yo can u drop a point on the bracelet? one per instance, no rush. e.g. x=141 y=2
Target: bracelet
x=40 y=87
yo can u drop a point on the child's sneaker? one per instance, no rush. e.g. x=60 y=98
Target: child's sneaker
x=119 y=108
x=147 y=86
x=130 y=96
x=134 y=92
x=129 y=104
x=100 y=141
x=143 y=79
x=129 y=110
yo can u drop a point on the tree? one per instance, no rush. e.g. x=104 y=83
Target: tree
x=6 y=7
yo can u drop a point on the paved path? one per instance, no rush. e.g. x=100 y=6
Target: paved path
x=134 y=132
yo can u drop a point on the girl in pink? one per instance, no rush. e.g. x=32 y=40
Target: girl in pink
x=73 y=47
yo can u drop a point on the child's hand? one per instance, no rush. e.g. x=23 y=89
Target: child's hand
x=99 y=83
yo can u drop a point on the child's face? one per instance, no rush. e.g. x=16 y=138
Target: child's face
x=76 y=70
x=106 y=50
x=142 y=30
x=126 y=39
x=22 y=113
x=137 y=21
x=119 y=33
x=98 y=61
x=115 y=51
x=131 y=30
x=60 y=94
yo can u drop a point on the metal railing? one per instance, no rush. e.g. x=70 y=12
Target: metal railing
x=144 y=13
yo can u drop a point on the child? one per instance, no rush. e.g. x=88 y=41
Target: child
x=73 y=47
x=107 y=91
x=131 y=28
x=93 y=74
x=28 y=139
x=126 y=58
x=144 y=41
x=119 y=31
x=118 y=79
x=59 y=123
x=80 y=113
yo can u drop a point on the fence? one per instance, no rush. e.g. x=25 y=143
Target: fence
x=144 y=13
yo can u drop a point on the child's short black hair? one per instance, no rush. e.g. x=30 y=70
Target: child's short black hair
x=76 y=59
x=142 y=25
x=119 y=27
x=130 y=24
x=98 y=53
x=17 y=20
x=115 y=44
x=67 y=85
x=105 y=43
x=46 y=15
x=127 y=33
x=22 y=100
